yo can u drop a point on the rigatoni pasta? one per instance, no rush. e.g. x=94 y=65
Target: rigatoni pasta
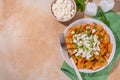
x=89 y=45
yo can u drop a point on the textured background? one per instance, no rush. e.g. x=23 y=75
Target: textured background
x=29 y=42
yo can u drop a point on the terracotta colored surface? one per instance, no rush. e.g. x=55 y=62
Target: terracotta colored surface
x=29 y=41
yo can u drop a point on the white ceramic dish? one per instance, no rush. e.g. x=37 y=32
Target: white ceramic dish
x=75 y=7
x=112 y=39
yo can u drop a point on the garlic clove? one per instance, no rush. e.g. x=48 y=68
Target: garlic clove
x=91 y=9
x=106 y=5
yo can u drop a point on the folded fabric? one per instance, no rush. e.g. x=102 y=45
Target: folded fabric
x=103 y=74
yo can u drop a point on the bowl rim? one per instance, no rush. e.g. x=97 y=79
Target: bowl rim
x=112 y=38
x=59 y=19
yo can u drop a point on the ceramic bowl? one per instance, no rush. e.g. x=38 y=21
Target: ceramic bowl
x=112 y=39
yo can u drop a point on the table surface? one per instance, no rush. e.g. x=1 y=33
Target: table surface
x=29 y=41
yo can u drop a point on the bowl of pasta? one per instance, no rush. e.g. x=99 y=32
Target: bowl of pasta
x=90 y=43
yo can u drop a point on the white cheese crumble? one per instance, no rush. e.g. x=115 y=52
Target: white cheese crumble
x=87 y=27
x=86 y=45
x=73 y=32
x=94 y=30
x=63 y=9
x=75 y=51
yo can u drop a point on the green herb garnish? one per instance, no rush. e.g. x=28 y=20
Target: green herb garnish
x=80 y=39
x=76 y=31
x=81 y=30
x=78 y=57
x=81 y=46
x=92 y=40
x=80 y=5
x=88 y=29
x=84 y=32
x=75 y=37
x=94 y=23
x=101 y=37
x=76 y=46
x=92 y=58
x=102 y=61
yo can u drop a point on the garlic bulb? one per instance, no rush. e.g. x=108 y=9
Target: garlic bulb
x=91 y=9
x=106 y=5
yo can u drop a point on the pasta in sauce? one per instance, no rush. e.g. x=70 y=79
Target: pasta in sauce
x=89 y=45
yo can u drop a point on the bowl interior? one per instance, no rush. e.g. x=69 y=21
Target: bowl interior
x=112 y=39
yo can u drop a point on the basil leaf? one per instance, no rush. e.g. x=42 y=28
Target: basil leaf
x=104 y=20
x=101 y=16
x=80 y=5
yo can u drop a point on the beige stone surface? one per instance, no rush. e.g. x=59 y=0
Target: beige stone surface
x=29 y=41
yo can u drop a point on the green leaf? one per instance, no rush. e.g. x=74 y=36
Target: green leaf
x=80 y=5
x=102 y=17
x=76 y=46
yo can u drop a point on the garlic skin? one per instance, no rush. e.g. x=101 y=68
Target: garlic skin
x=106 y=5
x=91 y=9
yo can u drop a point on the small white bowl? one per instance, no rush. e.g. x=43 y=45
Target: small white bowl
x=64 y=20
x=89 y=21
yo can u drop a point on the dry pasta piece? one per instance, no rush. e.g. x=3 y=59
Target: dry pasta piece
x=68 y=40
x=109 y=47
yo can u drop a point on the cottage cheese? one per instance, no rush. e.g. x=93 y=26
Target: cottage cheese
x=87 y=45
x=63 y=9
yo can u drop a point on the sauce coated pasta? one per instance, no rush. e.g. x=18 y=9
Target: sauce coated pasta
x=89 y=45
